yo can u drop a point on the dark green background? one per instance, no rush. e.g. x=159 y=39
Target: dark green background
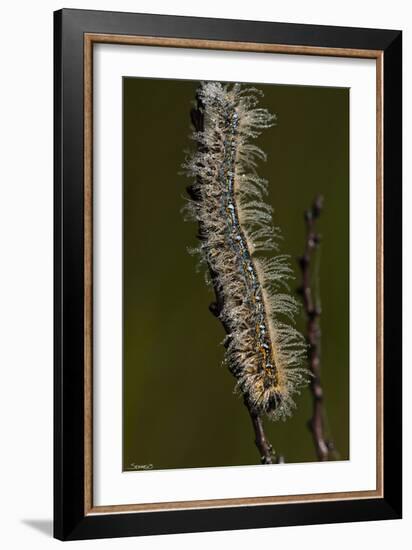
x=179 y=406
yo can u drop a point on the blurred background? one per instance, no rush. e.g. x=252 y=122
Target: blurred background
x=179 y=407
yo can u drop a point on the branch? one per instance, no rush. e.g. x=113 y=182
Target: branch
x=324 y=447
x=263 y=445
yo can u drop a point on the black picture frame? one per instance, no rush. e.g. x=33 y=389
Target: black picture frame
x=71 y=522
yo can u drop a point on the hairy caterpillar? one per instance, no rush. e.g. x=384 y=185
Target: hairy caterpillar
x=263 y=350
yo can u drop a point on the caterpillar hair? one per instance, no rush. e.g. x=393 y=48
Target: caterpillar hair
x=263 y=349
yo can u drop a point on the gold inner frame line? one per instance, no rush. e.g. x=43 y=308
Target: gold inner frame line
x=89 y=40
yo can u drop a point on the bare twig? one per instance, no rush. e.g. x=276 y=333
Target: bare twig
x=267 y=455
x=324 y=447
x=264 y=447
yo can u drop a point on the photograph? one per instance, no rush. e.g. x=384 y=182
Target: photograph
x=205 y=290
x=235 y=274
x=227 y=274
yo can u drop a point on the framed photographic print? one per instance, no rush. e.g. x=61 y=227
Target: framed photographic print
x=227 y=274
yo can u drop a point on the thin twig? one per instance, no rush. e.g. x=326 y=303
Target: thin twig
x=324 y=447
x=265 y=448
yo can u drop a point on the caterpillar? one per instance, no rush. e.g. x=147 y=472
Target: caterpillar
x=264 y=351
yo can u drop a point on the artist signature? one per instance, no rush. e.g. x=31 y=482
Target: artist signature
x=134 y=466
